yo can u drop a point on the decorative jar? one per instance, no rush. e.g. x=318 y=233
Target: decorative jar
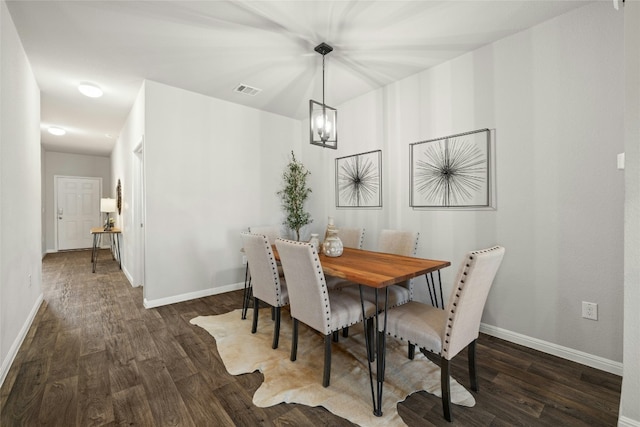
x=315 y=242
x=332 y=245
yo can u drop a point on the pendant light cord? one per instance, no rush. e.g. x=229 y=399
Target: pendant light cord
x=324 y=114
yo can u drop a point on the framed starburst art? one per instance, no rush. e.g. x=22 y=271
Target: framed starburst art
x=359 y=180
x=452 y=172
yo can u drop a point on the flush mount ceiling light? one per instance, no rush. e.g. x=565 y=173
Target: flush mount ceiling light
x=56 y=131
x=90 y=90
x=323 y=120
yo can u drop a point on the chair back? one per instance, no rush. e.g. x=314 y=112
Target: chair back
x=308 y=294
x=264 y=269
x=351 y=237
x=468 y=297
x=398 y=242
x=271 y=231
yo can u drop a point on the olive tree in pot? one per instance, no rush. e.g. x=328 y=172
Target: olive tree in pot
x=293 y=195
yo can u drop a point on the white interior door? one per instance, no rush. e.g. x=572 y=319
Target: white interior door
x=77 y=210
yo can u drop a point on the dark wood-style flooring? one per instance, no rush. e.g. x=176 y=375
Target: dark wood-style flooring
x=95 y=356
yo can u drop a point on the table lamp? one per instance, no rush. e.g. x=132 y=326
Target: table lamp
x=107 y=206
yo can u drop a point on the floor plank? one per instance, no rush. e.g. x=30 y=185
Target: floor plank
x=59 y=403
x=95 y=405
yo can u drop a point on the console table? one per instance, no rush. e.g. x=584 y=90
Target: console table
x=114 y=241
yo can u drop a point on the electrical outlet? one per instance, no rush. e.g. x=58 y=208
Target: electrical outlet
x=29 y=279
x=590 y=310
x=244 y=260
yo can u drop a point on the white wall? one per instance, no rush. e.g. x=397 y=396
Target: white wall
x=122 y=168
x=20 y=191
x=66 y=164
x=212 y=169
x=629 y=408
x=556 y=110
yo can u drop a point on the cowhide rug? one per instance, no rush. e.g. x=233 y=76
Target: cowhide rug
x=349 y=394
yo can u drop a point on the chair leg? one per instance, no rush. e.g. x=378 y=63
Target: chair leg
x=473 y=376
x=294 y=340
x=276 y=329
x=254 y=327
x=411 y=352
x=327 y=361
x=336 y=336
x=246 y=294
x=444 y=385
x=345 y=332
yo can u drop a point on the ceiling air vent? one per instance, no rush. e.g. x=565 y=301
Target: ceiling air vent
x=247 y=90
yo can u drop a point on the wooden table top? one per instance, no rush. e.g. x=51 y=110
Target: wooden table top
x=376 y=269
x=100 y=230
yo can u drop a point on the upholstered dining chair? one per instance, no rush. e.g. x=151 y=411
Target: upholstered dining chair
x=399 y=243
x=351 y=238
x=272 y=232
x=312 y=303
x=445 y=332
x=267 y=284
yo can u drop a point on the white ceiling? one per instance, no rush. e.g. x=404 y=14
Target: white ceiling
x=210 y=47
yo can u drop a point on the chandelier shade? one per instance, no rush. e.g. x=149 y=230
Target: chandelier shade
x=324 y=125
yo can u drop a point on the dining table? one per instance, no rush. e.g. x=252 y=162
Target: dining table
x=379 y=270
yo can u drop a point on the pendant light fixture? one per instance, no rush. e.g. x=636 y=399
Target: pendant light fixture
x=323 y=120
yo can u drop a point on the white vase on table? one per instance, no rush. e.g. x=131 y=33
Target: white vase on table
x=315 y=242
x=332 y=245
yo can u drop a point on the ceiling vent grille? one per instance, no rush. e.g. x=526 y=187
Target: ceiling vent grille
x=247 y=90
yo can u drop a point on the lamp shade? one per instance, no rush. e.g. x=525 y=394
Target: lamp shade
x=108 y=205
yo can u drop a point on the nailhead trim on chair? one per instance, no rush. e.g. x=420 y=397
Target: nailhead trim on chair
x=445 y=346
x=274 y=271
x=320 y=274
x=410 y=282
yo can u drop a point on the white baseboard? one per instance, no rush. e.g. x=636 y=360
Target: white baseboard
x=55 y=251
x=192 y=295
x=627 y=422
x=129 y=277
x=554 y=349
x=13 y=351
x=537 y=344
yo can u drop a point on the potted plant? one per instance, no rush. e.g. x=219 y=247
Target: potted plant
x=293 y=195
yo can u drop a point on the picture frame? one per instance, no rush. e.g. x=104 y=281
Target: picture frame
x=119 y=197
x=359 y=180
x=452 y=172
